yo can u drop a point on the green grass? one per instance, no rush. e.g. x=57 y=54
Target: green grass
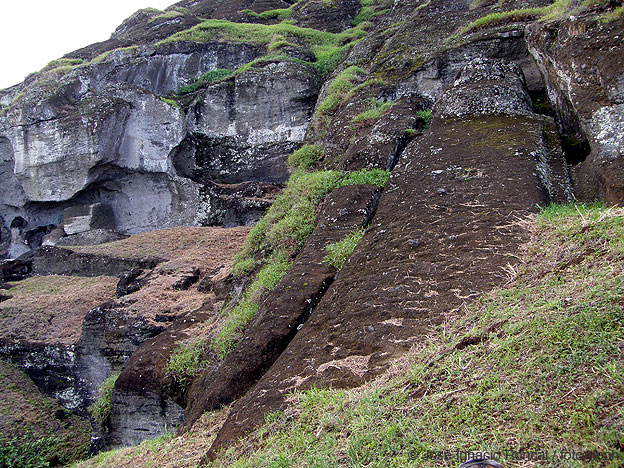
x=101 y=408
x=279 y=13
x=27 y=452
x=339 y=252
x=305 y=157
x=426 y=116
x=328 y=48
x=171 y=102
x=544 y=372
x=186 y=362
x=337 y=92
x=551 y=12
x=377 y=177
x=367 y=12
x=267 y=279
x=567 y=210
x=376 y=108
x=612 y=15
x=166 y=15
x=61 y=66
x=62 y=63
x=207 y=78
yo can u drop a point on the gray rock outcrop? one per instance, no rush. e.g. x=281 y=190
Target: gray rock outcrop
x=100 y=133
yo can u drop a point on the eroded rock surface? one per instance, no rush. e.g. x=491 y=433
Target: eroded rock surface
x=582 y=62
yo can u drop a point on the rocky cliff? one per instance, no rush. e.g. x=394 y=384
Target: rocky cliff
x=388 y=155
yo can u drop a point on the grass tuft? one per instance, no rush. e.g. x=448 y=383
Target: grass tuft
x=376 y=108
x=186 y=362
x=213 y=76
x=339 y=252
x=426 y=116
x=337 y=93
x=101 y=408
x=305 y=157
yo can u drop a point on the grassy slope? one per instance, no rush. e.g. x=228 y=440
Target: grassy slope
x=26 y=413
x=539 y=367
x=59 y=302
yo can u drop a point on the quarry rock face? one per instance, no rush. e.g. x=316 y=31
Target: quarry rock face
x=580 y=59
x=179 y=121
x=102 y=134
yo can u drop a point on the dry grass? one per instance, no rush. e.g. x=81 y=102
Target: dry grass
x=201 y=246
x=51 y=309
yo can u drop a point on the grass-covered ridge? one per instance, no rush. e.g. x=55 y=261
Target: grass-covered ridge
x=556 y=10
x=328 y=48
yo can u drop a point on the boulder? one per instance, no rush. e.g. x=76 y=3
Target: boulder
x=79 y=219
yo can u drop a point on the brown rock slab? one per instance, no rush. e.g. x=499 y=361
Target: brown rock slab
x=287 y=307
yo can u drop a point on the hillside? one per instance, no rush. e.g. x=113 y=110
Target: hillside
x=532 y=369
x=320 y=233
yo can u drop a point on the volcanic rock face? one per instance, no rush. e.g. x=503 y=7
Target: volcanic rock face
x=178 y=121
x=101 y=133
x=582 y=62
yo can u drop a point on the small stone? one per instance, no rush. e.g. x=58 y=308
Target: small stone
x=442 y=191
x=371 y=328
x=452 y=238
x=415 y=243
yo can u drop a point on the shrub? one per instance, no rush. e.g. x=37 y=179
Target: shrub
x=101 y=408
x=305 y=157
x=426 y=116
x=339 y=252
x=27 y=452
